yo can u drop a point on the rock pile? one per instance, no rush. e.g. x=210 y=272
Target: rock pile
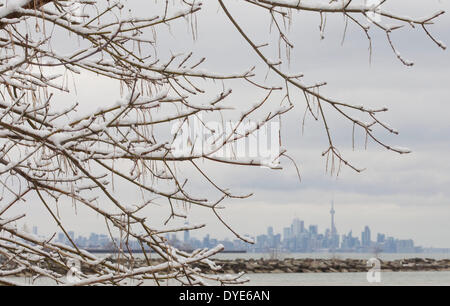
x=291 y=265
x=308 y=265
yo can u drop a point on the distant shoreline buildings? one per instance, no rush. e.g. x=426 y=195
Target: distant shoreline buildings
x=298 y=239
x=294 y=239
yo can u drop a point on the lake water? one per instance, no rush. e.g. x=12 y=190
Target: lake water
x=326 y=279
x=350 y=279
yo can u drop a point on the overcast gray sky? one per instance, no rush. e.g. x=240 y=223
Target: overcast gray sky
x=402 y=196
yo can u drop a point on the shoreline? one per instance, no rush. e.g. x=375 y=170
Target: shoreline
x=293 y=265
x=310 y=265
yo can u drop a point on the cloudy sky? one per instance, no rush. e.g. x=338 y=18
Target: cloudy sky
x=404 y=196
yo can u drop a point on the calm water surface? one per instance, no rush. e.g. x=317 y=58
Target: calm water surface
x=350 y=279
x=323 y=279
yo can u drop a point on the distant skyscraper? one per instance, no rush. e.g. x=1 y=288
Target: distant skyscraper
x=381 y=238
x=313 y=230
x=186 y=235
x=298 y=227
x=365 y=237
x=286 y=233
x=270 y=231
x=61 y=237
x=206 y=242
x=334 y=235
x=332 y=212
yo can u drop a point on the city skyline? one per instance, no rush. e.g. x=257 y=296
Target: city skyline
x=299 y=237
x=324 y=222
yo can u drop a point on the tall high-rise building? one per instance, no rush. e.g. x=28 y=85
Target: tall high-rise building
x=365 y=237
x=381 y=238
x=61 y=237
x=332 y=212
x=334 y=243
x=186 y=237
x=298 y=227
x=313 y=230
x=206 y=242
x=270 y=231
x=286 y=233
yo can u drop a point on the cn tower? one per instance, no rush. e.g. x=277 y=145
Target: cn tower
x=332 y=211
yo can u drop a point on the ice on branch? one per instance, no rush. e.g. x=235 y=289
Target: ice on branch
x=174 y=116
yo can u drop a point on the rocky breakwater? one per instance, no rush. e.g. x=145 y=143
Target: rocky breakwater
x=287 y=265
x=308 y=265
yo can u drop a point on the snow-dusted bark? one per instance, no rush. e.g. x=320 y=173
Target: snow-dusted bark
x=50 y=154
